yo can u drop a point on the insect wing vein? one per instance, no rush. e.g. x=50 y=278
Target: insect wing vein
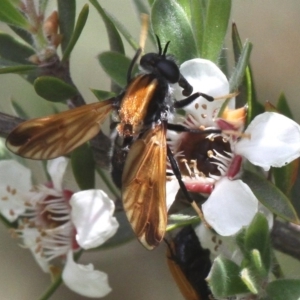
x=144 y=186
x=55 y=135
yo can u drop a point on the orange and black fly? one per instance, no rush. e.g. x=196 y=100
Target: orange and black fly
x=143 y=109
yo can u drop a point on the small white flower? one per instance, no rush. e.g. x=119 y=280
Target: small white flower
x=55 y=222
x=210 y=162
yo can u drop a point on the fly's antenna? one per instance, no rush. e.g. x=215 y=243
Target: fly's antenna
x=166 y=49
x=158 y=45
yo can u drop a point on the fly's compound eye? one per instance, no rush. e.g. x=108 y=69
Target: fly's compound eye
x=169 y=70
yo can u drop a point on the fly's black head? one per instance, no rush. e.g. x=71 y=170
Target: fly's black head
x=160 y=64
x=164 y=66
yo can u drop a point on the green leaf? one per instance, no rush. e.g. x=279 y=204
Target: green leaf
x=83 y=166
x=13 y=50
x=76 y=33
x=116 y=66
x=67 y=14
x=115 y=40
x=176 y=29
x=285 y=177
x=257 y=237
x=284 y=289
x=19 y=109
x=198 y=16
x=283 y=106
x=249 y=280
x=180 y=220
x=141 y=7
x=17 y=69
x=102 y=95
x=224 y=278
x=247 y=89
x=216 y=23
x=124 y=31
x=25 y=35
x=11 y=15
x=270 y=196
x=239 y=71
x=54 y=89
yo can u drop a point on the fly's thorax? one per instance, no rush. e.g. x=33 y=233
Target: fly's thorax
x=135 y=103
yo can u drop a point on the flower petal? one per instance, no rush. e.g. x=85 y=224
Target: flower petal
x=205 y=77
x=84 y=280
x=218 y=245
x=274 y=142
x=172 y=188
x=92 y=215
x=30 y=236
x=56 y=169
x=231 y=206
x=15 y=182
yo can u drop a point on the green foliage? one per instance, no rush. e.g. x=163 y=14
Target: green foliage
x=76 y=33
x=216 y=23
x=177 y=30
x=246 y=83
x=284 y=289
x=54 y=89
x=11 y=15
x=115 y=65
x=270 y=196
x=13 y=50
x=83 y=166
x=224 y=278
x=115 y=40
x=67 y=14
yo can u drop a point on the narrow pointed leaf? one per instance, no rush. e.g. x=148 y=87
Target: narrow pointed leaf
x=116 y=66
x=286 y=176
x=67 y=15
x=83 y=166
x=13 y=50
x=176 y=29
x=198 y=17
x=19 y=109
x=17 y=69
x=11 y=15
x=103 y=95
x=54 y=89
x=257 y=236
x=270 y=196
x=76 y=33
x=24 y=35
x=247 y=89
x=224 y=268
x=115 y=40
x=239 y=71
x=124 y=32
x=217 y=17
x=283 y=106
x=284 y=289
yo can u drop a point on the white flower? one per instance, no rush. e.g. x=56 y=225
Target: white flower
x=54 y=222
x=210 y=162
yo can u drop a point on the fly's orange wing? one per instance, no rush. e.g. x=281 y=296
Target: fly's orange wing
x=56 y=135
x=144 y=186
